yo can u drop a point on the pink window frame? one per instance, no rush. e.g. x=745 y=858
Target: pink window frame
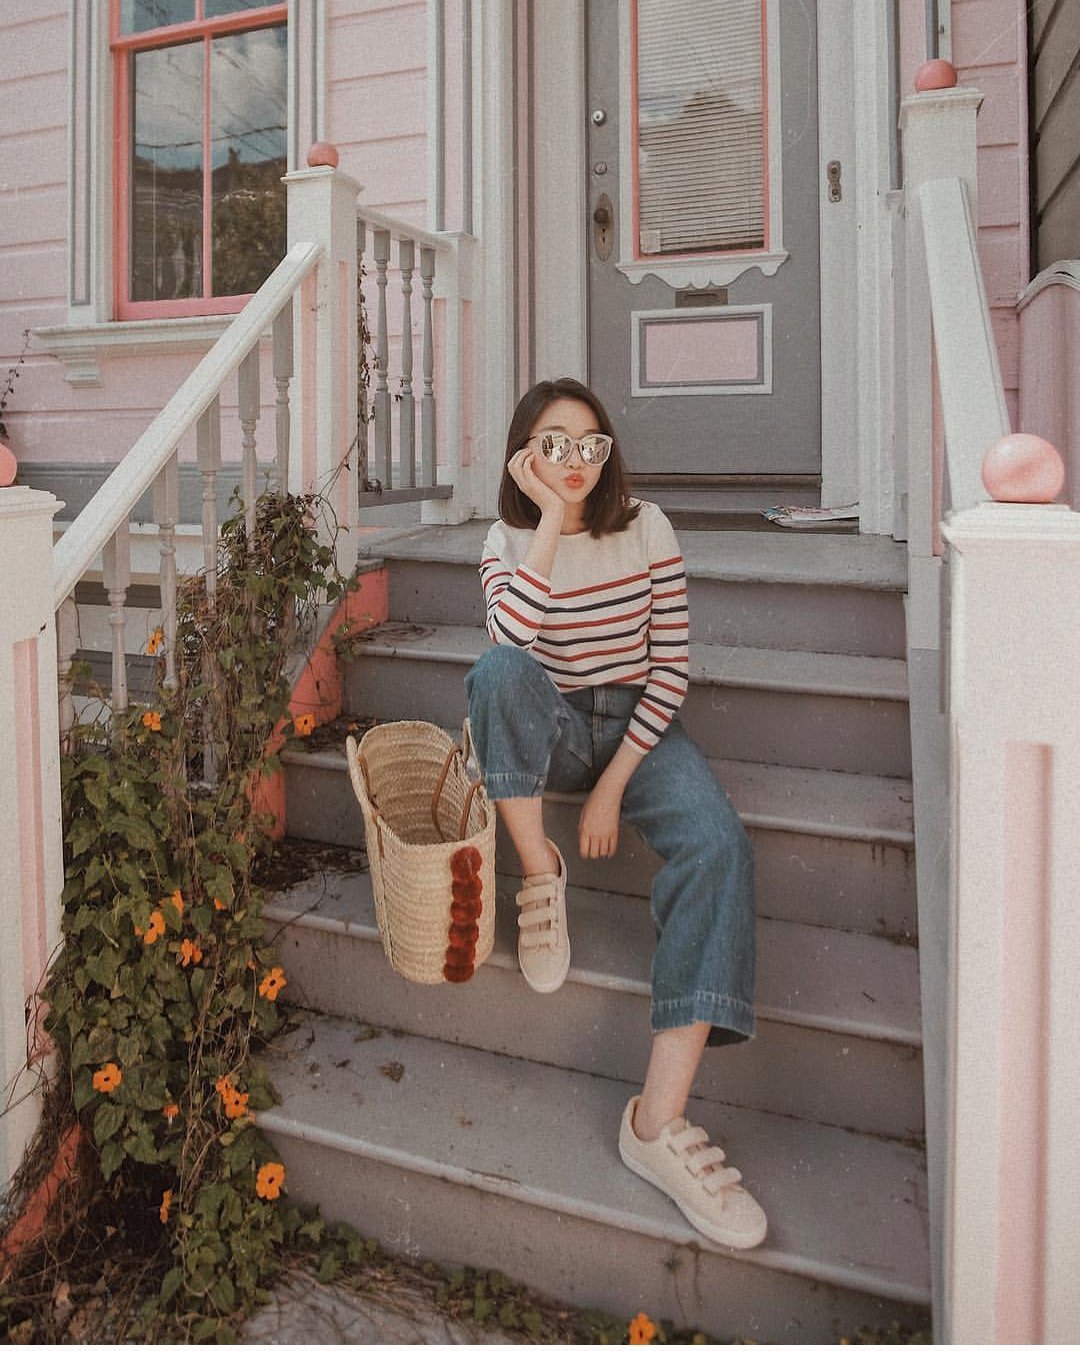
x=636 y=187
x=121 y=46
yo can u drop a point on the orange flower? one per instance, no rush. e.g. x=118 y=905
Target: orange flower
x=177 y=900
x=219 y=904
x=189 y=952
x=156 y=929
x=166 y=1202
x=269 y=1181
x=642 y=1330
x=273 y=983
x=154 y=642
x=107 y=1078
x=304 y=724
x=152 y=720
x=171 y=1111
x=234 y=1102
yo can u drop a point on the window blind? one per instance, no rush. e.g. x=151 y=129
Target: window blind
x=701 y=164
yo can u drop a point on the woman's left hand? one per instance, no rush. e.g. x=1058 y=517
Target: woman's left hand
x=598 y=826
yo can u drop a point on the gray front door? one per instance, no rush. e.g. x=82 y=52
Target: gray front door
x=703 y=233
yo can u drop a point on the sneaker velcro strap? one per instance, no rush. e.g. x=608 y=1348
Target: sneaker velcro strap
x=534 y=919
x=537 y=891
x=682 y=1141
x=723 y=1177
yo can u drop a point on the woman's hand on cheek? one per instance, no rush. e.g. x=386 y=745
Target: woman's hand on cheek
x=598 y=826
x=523 y=474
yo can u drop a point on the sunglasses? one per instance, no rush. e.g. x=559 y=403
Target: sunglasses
x=555 y=447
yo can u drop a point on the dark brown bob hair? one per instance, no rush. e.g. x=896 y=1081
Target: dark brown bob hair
x=608 y=508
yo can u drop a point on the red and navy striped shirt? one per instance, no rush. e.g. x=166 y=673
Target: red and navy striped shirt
x=613 y=612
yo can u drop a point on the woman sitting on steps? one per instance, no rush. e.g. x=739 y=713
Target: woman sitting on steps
x=586 y=604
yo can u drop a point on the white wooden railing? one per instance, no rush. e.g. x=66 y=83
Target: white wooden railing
x=307 y=306
x=102 y=528
x=993 y=643
x=411 y=424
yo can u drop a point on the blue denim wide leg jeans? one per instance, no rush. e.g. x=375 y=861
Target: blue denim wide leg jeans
x=530 y=737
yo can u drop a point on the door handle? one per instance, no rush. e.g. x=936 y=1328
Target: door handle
x=603 y=218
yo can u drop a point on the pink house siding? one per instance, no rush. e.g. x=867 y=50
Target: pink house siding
x=375 y=110
x=33 y=197
x=989 y=49
x=376 y=104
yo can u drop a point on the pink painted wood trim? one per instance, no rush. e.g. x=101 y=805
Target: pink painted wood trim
x=346 y=485
x=1024 y=1033
x=308 y=302
x=30 y=1224
x=207 y=179
x=766 y=203
x=935 y=74
x=320 y=688
x=32 y=902
x=635 y=189
x=122 y=47
x=170 y=34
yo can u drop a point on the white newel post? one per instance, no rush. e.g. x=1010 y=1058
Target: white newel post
x=31 y=861
x=1012 y=1240
x=322 y=210
x=938 y=130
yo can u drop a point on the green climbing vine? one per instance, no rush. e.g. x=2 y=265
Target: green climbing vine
x=166 y=983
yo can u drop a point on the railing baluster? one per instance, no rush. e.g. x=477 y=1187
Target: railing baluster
x=208 y=445
x=427 y=399
x=67 y=644
x=116 y=574
x=382 y=353
x=362 y=373
x=166 y=511
x=283 y=373
x=407 y=404
x=249 y=416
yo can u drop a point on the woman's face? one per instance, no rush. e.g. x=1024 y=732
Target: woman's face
x=573 y=480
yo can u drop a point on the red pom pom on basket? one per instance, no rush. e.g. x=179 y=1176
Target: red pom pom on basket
x=430 y=834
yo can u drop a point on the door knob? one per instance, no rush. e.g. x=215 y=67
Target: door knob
x=603 y=228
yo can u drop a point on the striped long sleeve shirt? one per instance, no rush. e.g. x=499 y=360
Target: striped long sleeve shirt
x=612 y=613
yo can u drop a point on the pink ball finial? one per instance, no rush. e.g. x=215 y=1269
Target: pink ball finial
x=1023 y=468
x=936 y=74
x=9 y=466
x=322 y=155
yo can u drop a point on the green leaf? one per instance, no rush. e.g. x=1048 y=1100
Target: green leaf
x=112 y=1156
x=171 y=1283
x=84 y=1091
x=108 y=1119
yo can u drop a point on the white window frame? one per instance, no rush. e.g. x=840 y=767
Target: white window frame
x=90 y=331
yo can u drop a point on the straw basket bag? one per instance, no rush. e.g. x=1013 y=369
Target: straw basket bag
x=431 y=847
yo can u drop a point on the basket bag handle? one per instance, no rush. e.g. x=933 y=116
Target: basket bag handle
x=361 y=782
x=463 y=753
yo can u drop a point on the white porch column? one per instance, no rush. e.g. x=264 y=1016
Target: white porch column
x=31 y=861
x=1012 y=1235
x=938 y=142
x=322 y=210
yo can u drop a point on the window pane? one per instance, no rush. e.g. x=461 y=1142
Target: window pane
x=137 y=16
x=215 y=8
x=166 y=173
x=700 y=150
x=247 y=135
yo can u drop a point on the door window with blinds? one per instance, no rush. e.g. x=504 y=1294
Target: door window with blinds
x=700 y=128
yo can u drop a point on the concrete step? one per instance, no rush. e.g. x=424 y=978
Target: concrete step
x=485 y=1159
x=838 y=1013
x=816 y=709
x=830 y=849
x=821 y=593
